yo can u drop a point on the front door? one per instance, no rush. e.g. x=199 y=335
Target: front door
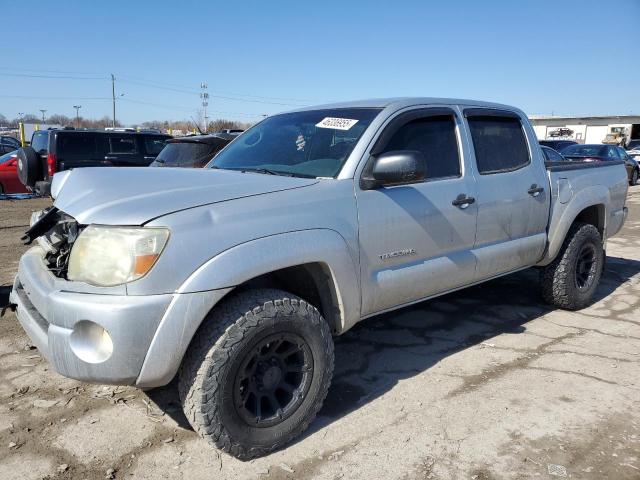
x=512 y=193
x=416 y=240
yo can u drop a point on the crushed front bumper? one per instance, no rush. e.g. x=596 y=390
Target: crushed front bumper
x=93 y=337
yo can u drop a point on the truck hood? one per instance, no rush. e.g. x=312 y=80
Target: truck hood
x=134 y=196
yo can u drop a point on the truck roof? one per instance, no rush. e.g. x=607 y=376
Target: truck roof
x=402 y=102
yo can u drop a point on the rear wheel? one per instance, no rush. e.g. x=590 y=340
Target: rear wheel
x=570 y=281
x=634 y=177
x=257 y=372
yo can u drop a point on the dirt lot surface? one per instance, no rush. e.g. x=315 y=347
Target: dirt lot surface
x=486 y=383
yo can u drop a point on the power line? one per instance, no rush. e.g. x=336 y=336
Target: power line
x=30 y=97
x=39 y=70
x=62 y=77
x=131 y=100
x=223 y=97
x=188 y=89
x=261 y=99
x=187 y=109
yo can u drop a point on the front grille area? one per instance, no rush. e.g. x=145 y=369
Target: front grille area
x=55 y=232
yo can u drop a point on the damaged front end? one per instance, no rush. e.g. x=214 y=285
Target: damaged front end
x=55 y=232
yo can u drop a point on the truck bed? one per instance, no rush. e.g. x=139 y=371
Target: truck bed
x=565 y=166
x=576 y=186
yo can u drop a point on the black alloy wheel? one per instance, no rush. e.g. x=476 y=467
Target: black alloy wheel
x=273 y=379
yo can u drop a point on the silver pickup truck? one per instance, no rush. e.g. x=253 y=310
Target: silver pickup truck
x=235 y=277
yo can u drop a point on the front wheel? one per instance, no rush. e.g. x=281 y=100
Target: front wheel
x=570 y=281
x=257 y=372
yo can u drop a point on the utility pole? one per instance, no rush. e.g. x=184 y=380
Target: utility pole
x=77 y=107
x=205 y=102
x=43 y=111
x=113 y=98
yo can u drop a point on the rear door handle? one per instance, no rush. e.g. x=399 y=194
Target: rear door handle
x=107 y=157
x=462 y=201
x=149 y=158
x=535 y=190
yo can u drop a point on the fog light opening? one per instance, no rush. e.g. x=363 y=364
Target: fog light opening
x=90 y=342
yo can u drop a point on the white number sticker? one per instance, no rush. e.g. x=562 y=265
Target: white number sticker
x=336 y=123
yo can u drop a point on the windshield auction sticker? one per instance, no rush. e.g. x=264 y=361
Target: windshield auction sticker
x=336 y=123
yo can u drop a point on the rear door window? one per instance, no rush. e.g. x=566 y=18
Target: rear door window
x=122 y=144
x=622 y=154
x=612 y=153
x=499 y=144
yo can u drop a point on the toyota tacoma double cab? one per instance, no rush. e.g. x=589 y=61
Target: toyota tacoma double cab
x=235 y=277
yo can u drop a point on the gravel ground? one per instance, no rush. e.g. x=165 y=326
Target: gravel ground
x=486 y=383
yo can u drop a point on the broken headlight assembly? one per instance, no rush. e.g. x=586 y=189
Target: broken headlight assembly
x=108 y=256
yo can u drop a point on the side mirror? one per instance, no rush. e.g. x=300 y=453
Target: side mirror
x=399 y=167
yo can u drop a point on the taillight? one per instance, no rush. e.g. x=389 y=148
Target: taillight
x=51 y=164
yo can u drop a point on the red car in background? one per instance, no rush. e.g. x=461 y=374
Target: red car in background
x=9 y=182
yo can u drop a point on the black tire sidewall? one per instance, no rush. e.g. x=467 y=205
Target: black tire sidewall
x=264 y=437
x=587 y=235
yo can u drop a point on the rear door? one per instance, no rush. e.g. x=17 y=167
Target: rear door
x=77 y=149
x=512 y=192
x=124 y=150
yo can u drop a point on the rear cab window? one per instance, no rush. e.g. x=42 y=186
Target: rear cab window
x=40 y=142
x=177 y=154
x=499 y=142
x=154 y=145
x=551 y=155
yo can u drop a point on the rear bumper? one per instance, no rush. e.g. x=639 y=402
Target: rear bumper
x=57 y=320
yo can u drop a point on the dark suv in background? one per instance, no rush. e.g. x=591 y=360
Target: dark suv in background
x=192 y=152
x=56 y=150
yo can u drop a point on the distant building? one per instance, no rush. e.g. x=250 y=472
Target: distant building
x=29 y=128
x=587 y=129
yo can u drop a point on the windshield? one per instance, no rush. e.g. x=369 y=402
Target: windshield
x=633 y=144
x=314 y=143
x=7 y=157
x=585 y=150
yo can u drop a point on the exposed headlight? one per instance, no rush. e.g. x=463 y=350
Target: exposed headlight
x=108 y=256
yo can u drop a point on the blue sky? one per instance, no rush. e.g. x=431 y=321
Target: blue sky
x=566 y=57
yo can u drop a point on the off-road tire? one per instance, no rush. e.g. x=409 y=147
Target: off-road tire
x=228 y=334
x=558 y=279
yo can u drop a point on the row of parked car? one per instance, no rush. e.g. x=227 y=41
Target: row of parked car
x=32 y=168
x=568 y=150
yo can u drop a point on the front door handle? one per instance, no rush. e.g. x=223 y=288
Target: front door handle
x=535 y=190
x=462 y=201
x=107 y=157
